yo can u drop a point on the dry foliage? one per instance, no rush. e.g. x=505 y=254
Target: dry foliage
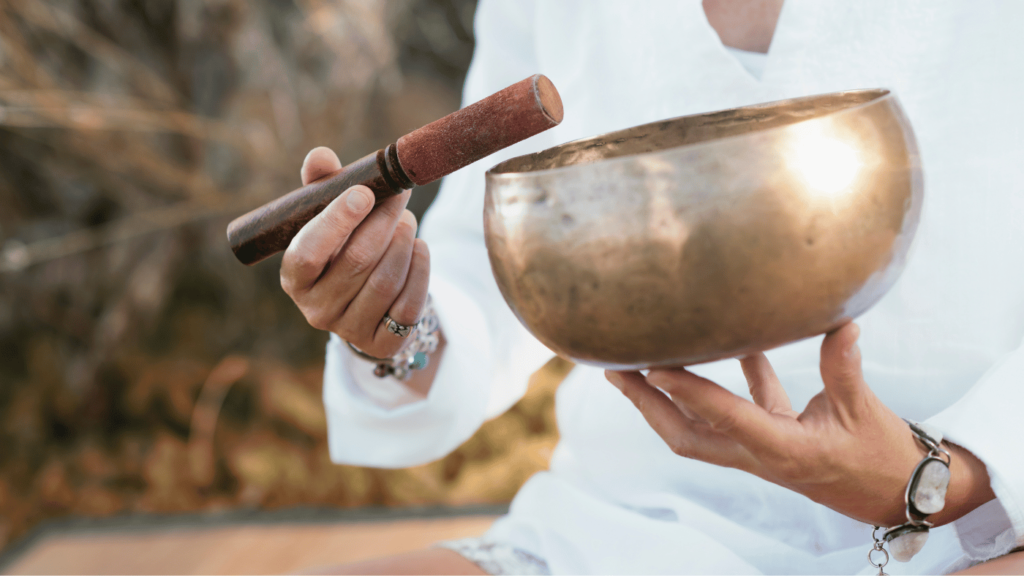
x=142 y=368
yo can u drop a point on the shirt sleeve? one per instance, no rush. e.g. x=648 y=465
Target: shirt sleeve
x=489 y=356
x=989 y=419
x=986 y=421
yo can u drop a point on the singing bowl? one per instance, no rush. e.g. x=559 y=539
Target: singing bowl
x=708 y=236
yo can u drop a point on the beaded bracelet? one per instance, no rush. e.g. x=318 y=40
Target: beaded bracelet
x=416 y=355
x=925 y=494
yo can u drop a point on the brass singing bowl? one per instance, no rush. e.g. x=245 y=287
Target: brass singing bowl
x=708 y=236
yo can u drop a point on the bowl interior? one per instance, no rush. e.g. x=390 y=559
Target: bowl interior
x=686 y=130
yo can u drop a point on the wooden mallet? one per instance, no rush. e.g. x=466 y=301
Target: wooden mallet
x=522 y=110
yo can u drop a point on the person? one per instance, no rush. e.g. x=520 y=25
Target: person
x=778 y=463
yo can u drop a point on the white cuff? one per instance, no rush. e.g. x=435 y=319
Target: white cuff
x=986 y=421
x=985 y=533
x=383 y=428
x=386 y=393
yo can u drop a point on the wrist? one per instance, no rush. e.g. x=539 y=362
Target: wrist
x=423 y=380
x=946 y=484
x=889 y=506
x=383 y=390
x=969 y=486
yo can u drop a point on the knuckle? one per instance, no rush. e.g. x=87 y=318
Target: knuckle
x=406 y=227
x=287 y=284
x=358 y=260
x=340 y=222
x=318 y=323
x=318 y=319
x=843 y=371
x=724 y=422
x=377 y=287
x=382 y=287
x=301 y=264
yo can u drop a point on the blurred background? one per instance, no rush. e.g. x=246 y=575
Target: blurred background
x=142 y=369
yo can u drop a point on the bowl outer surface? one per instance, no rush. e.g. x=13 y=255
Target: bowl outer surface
x=712 y=249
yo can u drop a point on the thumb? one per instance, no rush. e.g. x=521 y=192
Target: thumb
x=321 y=161
x=841 y=365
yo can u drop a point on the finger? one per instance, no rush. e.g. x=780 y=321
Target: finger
x=841 y=367
x=725 y=412
x=358 y=257
x=321 y=161
x=316 y=243
x=764 y=385
x=688 y=413
x=407 y=308
x=363 y=316
x=683 y=436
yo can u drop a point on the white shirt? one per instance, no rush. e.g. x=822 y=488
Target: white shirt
x=753 y=62
x=945 y=345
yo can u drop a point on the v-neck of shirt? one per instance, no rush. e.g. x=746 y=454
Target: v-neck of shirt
x=753 y=63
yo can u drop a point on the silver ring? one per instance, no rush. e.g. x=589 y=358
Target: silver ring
x=396 y=328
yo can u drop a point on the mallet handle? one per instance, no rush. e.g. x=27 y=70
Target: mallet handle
x=420 y=157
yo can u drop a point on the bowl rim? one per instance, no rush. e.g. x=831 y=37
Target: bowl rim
x=882 y=95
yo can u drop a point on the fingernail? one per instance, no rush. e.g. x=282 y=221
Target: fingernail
x=614 y=378
x=357 y=199
x=409 y=218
